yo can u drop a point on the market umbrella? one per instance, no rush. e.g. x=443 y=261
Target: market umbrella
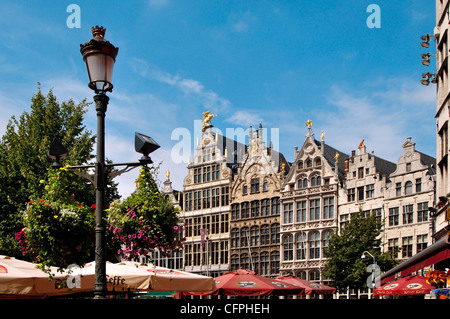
x=118 y=277
x=19 y=278
x=410 y=285
x=310 y=287
x=247 y=283
x=166 y=279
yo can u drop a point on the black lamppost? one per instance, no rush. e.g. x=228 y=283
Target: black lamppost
x=99 y=56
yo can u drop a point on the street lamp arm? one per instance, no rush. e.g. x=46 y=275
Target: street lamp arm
x=128 y=168
x=77 y=169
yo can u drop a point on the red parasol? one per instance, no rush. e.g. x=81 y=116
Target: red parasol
x=247 y=283
x=310 y=287
x=410 y=285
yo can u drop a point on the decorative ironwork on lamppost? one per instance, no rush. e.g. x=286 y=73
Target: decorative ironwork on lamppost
x=100 y=56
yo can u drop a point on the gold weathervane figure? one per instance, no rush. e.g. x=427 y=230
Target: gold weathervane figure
x=206 y=119
x=309 y=123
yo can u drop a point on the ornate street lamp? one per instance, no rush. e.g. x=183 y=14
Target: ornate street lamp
x=100 y=56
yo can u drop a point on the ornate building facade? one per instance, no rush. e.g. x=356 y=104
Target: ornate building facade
x=309 y=202
x=255 y=208
x=246 y=206
x=409 y=194
x=206 y=204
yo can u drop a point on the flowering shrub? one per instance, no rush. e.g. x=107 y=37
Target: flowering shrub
x=144 y=221
x=58 y=231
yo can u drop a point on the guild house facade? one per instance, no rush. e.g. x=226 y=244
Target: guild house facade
x=255 y=208
x=206 y=204
x=309 y=202
x=246 y=206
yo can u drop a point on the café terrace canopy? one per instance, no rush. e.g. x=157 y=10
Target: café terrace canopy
x=433 y=254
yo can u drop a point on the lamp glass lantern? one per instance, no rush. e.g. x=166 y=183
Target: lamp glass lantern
x=99 y=56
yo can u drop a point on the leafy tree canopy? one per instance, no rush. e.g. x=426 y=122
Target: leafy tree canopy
x=24 y=160
x=345 y=266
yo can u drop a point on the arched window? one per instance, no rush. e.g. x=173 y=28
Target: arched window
x=276 y=206
x=314 y=245
x=316 y=181
x=265 y=207
x=308 y=163
x=244 y=236
x=300 y=164
x=314 y=275
x=275 y=233
x=302 y=275
x=264 y=263
x=265 y=235
x=408 y=187
x=274 y=262
x=245 y=210
x=255 y=208
x=234 y=259
x=254 y=236
x=234 y=237
x=245 y=261
x=235 y=212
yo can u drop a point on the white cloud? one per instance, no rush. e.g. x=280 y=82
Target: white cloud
x=383 y=115
x=192 y=89
x=245 y=118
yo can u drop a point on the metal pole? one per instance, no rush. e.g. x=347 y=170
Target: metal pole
x=101 y=103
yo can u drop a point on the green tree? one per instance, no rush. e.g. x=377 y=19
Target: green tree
x=24 y=160
x=345 y=267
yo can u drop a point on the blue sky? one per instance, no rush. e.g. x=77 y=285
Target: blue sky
x=278 y=63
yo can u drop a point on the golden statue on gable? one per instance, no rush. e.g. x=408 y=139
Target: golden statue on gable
x=336 y=157
x=206 y=119
x=361 y=144
x=309 y=123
